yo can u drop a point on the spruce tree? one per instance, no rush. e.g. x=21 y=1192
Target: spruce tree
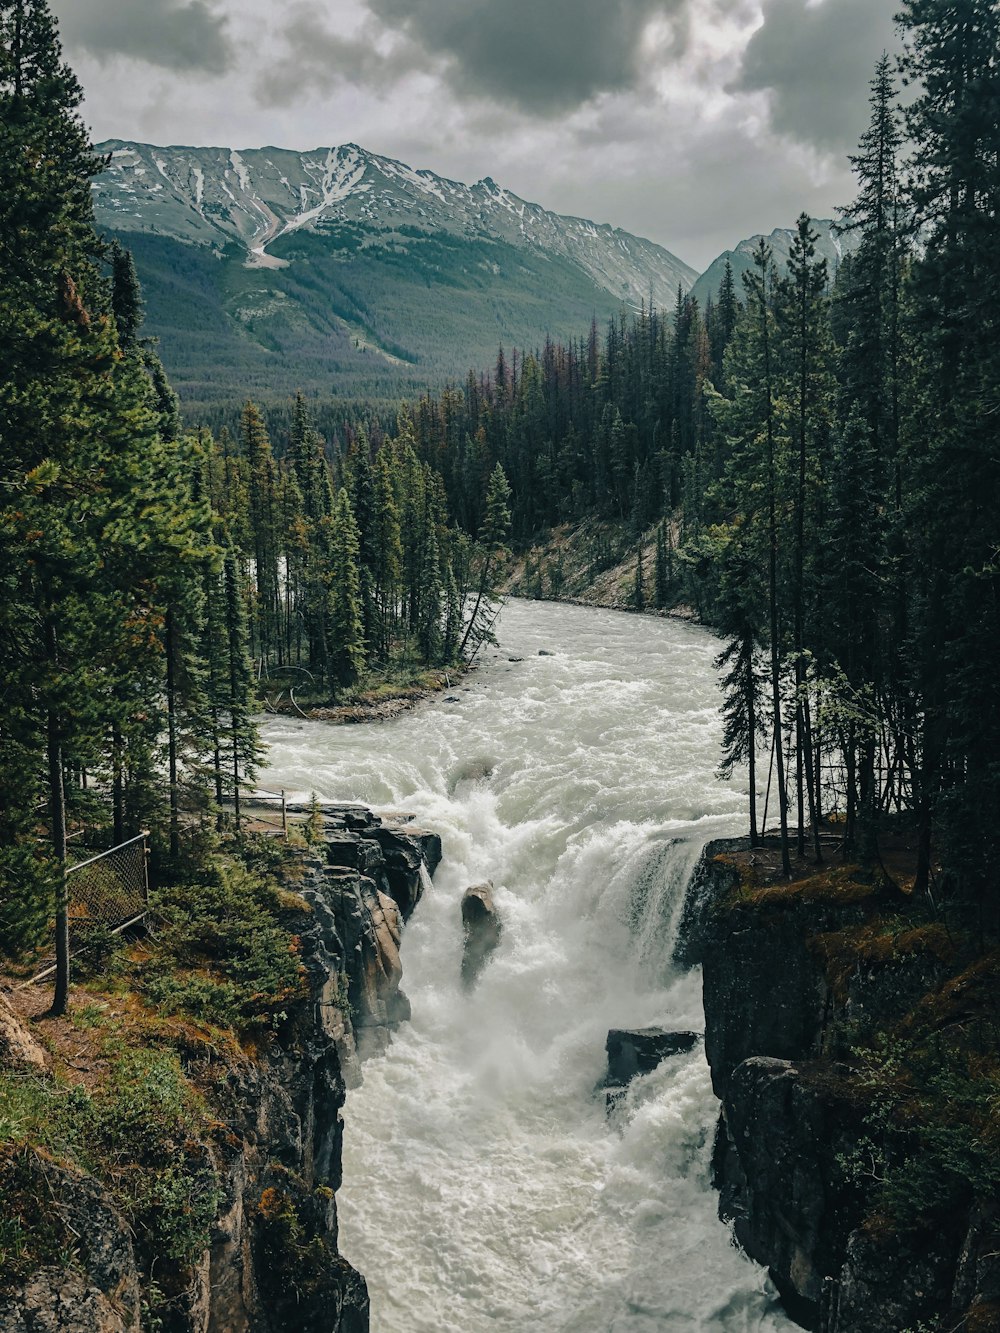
x=753 y=484
x=262 y=545
x=490 y=552
x=807 y=355
x=953 y=60
x=347 y=645
x=639 y=584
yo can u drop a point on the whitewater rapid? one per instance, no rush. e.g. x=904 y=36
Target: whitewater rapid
x=485 y=1191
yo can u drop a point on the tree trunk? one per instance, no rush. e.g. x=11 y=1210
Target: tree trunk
x=57 y=819
x=175 y=827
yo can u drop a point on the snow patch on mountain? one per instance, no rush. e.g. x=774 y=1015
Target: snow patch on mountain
x=255 y=197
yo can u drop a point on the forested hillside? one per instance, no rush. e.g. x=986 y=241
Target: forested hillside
x=818 y=452
x=349 y=276
x=154 y=580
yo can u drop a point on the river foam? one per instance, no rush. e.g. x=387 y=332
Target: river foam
x=485 y=1191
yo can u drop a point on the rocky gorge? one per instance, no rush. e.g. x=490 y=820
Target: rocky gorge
x=546 y=1127
x=802 y=983
x=272 y=1262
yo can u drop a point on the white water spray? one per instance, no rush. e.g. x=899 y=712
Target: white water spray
x=485 y=1191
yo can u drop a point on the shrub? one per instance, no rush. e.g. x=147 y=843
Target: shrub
x=933 y=1136
x=221 y=953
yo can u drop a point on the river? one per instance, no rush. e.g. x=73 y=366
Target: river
x=485 y=1190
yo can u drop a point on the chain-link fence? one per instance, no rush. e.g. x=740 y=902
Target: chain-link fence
x=111 y=888
x=106 y=892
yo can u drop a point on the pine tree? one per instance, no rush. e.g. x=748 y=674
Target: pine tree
x=753 y=484
x=238 y=700
x=262 y=525
x=739 y=617
x=89 y=505
x=347 y=645
x=807 y=352
x=126 y=297
x=662 y=575
x=953 y=60
x=490 y=553
x=388 y=551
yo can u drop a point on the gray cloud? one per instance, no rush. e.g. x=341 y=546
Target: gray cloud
x=541 y=57
x=816 y=60
x=177 y=35
x=315 y=59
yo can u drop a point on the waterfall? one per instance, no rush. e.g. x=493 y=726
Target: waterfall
x=486 y=1190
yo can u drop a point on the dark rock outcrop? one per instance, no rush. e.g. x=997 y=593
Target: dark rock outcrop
x=272 y=1265
x=776 y=1167
x=714 y=879
x=786 y=976
x=483 y=931
x=392 y=850
x=640 y=1050
x=765 y=991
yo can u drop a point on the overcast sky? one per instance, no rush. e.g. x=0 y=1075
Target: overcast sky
x=692 y=122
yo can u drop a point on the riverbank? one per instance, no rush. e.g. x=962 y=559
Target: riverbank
x=170 y=1150
x=595 y=563
x=851 y=1034
x=380 y=700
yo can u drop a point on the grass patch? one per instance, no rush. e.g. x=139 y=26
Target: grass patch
x=142 y=1133
x=834 y=885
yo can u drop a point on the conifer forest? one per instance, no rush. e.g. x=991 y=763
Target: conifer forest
x=806 y=465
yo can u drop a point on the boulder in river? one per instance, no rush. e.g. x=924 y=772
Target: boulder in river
x=483 y=930
x=639 y=1051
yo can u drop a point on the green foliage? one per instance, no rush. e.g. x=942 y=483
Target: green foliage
x=298 y=1266
x=313 y=826
x=220 y=953
x=30 y=1237
x=931 y=1118
x=368 y=323
x=141 y=1133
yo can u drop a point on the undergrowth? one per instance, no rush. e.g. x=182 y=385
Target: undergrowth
x=142 y=1133
x=166 y=1017
x=220 y=953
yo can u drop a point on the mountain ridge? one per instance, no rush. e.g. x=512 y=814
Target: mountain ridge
x=831 y=245
x=255 y=197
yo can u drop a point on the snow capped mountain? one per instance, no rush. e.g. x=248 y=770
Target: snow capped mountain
x=831 y=246
x=259 y=198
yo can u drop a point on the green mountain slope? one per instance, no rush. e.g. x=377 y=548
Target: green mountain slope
x=350 y=276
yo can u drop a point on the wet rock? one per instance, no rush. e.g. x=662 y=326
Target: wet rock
x=890 y=1283
x=712 y=882
x=544 y=652
x=775 y=1021
x=406 y=850
x=780 y=1182
x=766 y=992
x=640 y=1051
x=483 y=931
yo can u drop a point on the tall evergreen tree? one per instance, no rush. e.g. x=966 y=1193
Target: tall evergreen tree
x=347 y=647
x=954 y=61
